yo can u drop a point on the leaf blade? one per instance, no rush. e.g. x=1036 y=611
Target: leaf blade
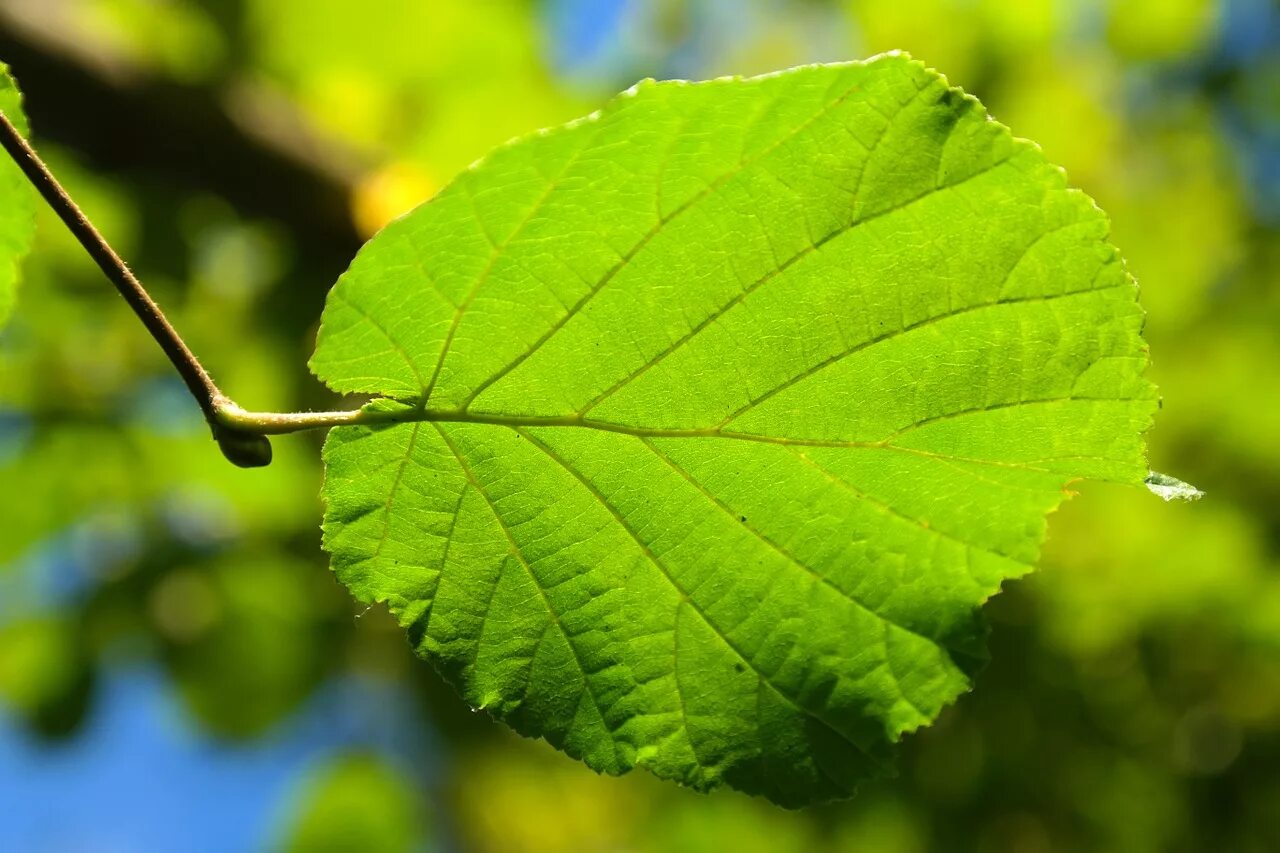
x=721 y=439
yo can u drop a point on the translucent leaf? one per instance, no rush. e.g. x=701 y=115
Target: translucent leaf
x=17 y=201
x=230 y=637
x=717 y=415
x=45 y=672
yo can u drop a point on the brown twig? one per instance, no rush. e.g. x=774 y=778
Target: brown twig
x=243 y=447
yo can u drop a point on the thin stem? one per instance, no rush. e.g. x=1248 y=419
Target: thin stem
x=232 y=416
x=389 y=412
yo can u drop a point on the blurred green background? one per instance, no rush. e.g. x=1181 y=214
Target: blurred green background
x=178 y=669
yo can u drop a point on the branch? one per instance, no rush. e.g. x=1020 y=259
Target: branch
x=246 y=447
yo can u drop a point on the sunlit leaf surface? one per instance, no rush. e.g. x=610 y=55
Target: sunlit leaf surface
x=724 y=410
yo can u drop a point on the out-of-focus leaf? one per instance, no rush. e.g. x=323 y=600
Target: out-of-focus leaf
x=1063 y=103
x=44 y=672
x=249 y=638
x=511 y=800
x=961 y=36
x=405 y=85
x=715 y=443
x=1179 y=213
x=176 y=37
x=1161 y=29
x=1177 y=563
x=358 y=802
x=17 y=201
x=148 y=474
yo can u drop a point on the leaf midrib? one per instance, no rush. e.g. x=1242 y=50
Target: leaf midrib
x=420 y=412
x=418 y=415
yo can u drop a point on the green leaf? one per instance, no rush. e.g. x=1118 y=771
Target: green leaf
x=45 y=672
x=357 y=802
x=722 y=411
x=17 y=201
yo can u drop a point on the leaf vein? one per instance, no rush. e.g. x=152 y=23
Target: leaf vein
x=772 y=274
x=895 y=333
x=338 y=294
x=710 y=189
x=891 y=510
x=496 y=253
x=791 y=558
x=594 y=491
x=546 y=600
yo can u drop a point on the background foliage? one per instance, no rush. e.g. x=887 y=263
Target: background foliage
x=158 y=694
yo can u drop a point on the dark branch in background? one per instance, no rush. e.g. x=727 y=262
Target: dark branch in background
x=184 y=134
